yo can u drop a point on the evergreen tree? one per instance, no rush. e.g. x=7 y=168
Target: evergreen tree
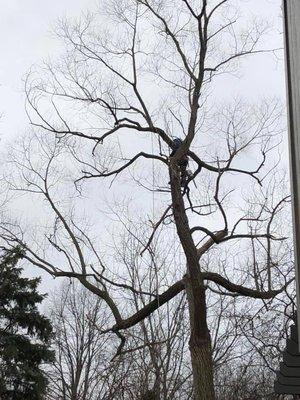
x=24 y=333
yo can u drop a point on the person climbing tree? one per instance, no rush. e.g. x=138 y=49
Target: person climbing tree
x=182 y=162
x=24 y=333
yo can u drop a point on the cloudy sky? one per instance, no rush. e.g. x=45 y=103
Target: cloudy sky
x=25 y=31
x=26 y=39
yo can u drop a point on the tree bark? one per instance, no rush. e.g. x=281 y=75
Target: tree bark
x=151 y=395
x=200 y=341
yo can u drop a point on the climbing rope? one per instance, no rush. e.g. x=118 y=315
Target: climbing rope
x=153 y=218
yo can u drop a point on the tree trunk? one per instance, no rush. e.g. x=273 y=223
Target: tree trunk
x=202 y=371
x=151 y=395
x=200 y=342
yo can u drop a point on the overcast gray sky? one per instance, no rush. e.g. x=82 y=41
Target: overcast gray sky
x=26 y=39
x=25 y=31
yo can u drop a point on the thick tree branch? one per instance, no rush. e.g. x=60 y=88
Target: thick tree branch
x=242 y=290
x=149 y=308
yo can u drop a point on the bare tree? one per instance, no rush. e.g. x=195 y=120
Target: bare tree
x=155 y=363
x=81 y=370
x=105 y=75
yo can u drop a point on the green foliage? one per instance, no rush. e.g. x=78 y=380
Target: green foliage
x=24 y=333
